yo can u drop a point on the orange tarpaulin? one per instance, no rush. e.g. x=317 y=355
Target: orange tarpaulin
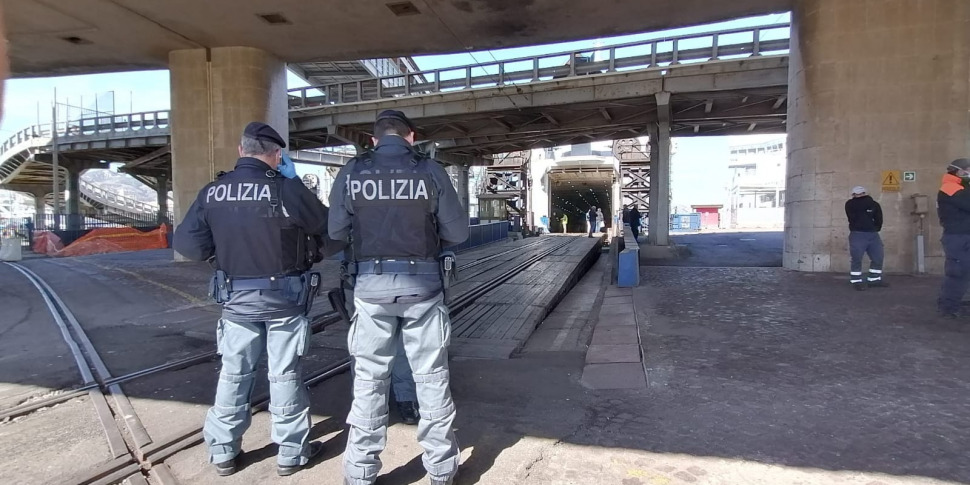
x=46 y=242
x=104 y=240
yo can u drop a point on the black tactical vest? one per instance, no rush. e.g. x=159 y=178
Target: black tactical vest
x=393 y=201
x=250 y=229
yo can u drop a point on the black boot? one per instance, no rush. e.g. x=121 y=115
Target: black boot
x=878 y=284
x=313 y=449
x=444 y=481
x=225 y=468
x=408 y=410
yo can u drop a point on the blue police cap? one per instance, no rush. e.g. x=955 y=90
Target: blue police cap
x=394 y=114
x=262 y=131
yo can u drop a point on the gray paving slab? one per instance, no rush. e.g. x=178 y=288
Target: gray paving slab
x=614 y=291
x=614 y=376
x=616 y=321
x=617 y=300
x=615 y=335
x=621 y=310
x=557 y=340
x=564 y=319
x=613 y=354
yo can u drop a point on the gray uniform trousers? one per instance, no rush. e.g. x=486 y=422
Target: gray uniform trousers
x=426 y=331
x=241 y=345
x=861 y=243
x=402 y=379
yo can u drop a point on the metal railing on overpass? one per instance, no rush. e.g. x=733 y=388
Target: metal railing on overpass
x=117 y=201
x=98 y=125
x=646 y=54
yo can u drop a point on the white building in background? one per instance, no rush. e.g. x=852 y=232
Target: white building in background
x=756 y=193
x=14 y=205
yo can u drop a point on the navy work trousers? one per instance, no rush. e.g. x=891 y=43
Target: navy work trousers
x=860 y=244
x=956 y=270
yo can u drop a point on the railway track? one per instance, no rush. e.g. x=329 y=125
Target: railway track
x=126 y=435
x=318 y=324
x=136 y=455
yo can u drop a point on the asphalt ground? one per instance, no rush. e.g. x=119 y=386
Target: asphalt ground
x=755 y=376
x=727 y=249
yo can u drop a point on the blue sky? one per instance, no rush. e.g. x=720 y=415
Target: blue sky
x=699 y=169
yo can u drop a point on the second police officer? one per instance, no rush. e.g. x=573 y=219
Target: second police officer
x=260 y=230
x=398 y=209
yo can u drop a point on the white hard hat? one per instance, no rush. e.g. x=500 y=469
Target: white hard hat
x=858 y=190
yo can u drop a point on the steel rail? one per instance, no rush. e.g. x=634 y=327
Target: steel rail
x=318 y=324
x=118 y=469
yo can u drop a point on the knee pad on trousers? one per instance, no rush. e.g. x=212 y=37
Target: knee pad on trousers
x=232 y=392
x=434 y=396
x=236 y=378
x=287 y=394
x=434 y=377
x=369 y=410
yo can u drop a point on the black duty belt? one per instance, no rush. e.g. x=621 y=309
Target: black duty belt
x=270 y=283
x=393 y=266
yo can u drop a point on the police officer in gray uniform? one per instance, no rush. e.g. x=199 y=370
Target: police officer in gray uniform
x=263 y=232
x=401 y=210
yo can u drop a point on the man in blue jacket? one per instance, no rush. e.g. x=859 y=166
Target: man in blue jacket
x=953 y=206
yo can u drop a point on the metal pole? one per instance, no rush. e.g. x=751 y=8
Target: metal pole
x=55 y=164
x=920 y=248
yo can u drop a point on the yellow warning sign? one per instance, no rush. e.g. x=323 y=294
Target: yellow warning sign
x=891 y=180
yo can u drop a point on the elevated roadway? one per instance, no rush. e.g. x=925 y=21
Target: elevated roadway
x=719 y=83
x=141 y=141
x=711 y=83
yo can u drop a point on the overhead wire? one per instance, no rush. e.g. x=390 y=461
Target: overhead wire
x=471 y=54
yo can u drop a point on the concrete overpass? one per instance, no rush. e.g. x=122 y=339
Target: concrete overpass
x=88 y=36
x=141 y=141
x=873 y=86
x=719 y=83
x=722 y=83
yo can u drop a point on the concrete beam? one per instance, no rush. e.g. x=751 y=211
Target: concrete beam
x=165 y=150
x=455 y=159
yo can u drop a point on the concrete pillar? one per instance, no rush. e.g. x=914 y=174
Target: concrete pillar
x=459 y=174
x=74 y=219
x=161 y=192
x=658 y=226
x=40 y=210
x=215 y=93
x=863 y=101
x=463 y=194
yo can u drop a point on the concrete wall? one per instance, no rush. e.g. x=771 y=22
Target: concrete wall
x=763 y=218
x=215 y=93
x=874 y=85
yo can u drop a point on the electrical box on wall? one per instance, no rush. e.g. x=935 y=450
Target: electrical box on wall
x=921 y=204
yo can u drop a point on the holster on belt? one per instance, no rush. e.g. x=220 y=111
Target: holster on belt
x=311 y=283
x=449 y=273
x=219 y=287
